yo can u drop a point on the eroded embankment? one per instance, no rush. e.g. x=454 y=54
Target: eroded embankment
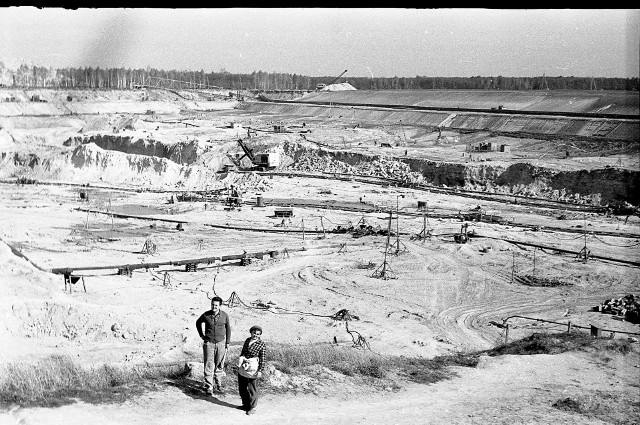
x=608 y=185
x=614 y=184
x=125 y=159
x=180 y=152
x=601 y=186
x=135 y=169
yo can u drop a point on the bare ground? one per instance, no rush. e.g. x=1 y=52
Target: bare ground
x=443 y=299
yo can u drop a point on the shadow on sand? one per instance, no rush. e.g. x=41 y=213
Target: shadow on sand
x=195 y=390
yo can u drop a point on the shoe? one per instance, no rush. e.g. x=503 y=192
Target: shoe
x=220 y=389
x=251 y=412
x=209 y=391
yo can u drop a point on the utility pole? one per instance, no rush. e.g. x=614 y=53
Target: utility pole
x=388 y=236
x=397 y=226
x=425 y=222
x=398 y=223
x=324 y=235
x=513 y=267
x=534 y=262
x=424 y=219
x=86 y=226
x=384 y=271
x=111 y=211
x=584 y=252
x=403 y=133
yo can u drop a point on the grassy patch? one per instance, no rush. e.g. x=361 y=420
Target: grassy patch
x=429 y=371
x=57 y=380
x=354 y=363
x=540 y=281
x=344 y=360
x=611 y=407
x=351 y=362
x=542 y=343
x=568 y=404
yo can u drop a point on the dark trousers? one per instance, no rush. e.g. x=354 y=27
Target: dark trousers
x=248 y=389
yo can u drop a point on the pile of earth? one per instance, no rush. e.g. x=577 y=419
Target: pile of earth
x=318 y=160
x=246 y=182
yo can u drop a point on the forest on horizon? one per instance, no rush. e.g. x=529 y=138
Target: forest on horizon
x=33 y=76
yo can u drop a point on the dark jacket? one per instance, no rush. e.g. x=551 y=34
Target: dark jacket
x=216 y=328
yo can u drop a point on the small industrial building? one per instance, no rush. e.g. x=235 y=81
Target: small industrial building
x=283 y=212
x=489 y=147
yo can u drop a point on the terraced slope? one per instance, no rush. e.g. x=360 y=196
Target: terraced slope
x=602 y=102
x=545 y=127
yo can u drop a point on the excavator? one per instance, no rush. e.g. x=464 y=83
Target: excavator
x=321 y=86
x=261 y=162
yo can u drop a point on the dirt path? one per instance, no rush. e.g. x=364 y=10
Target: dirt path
x=502 y=390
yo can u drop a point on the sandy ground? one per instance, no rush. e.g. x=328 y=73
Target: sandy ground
x=443 y=296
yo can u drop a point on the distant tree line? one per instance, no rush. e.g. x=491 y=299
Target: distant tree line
x=32 y=76
x=498 y=83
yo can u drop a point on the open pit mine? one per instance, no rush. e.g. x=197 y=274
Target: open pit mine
x=411 y=223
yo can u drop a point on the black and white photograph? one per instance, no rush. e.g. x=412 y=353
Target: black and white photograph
x=319 y=215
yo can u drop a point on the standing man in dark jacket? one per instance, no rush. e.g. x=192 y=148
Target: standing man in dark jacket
x=216 y=337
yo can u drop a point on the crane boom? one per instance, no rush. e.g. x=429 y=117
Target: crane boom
x=321 y=86
x=247 y=152
x=337 y=78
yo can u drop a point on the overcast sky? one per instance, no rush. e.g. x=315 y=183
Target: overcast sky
x=324 y=42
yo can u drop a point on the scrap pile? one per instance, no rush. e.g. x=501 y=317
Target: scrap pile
x=247 y=182
x=208 y=196
x=627 y=306
x=478 y=214
x=316 y=161
x=388 y=168
x=362 y=230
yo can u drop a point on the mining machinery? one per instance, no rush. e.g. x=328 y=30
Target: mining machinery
x=321 y=86
x=261 y=162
